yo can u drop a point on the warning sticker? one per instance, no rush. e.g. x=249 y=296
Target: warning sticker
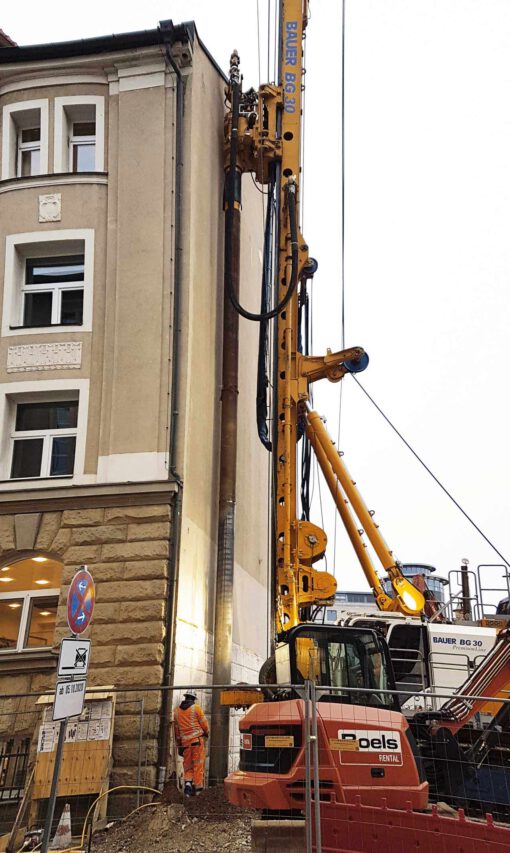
x=246 y=740
x=277 y=741
x=344 y=745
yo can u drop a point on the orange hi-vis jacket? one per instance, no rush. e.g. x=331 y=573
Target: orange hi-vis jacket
x=190 y=724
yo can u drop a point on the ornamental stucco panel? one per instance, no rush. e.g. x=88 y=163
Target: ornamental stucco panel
x=50 y=207
x=29 y=357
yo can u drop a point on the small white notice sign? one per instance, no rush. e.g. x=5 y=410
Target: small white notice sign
x=69 y=699
x=74 y=657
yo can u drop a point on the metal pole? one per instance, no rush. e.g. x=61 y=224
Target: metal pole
x=466 y=596
x=316 y=777
x=223 y=605
x=54 y=784
x=308 y=775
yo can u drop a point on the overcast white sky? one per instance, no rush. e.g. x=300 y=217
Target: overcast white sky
x=427 y=242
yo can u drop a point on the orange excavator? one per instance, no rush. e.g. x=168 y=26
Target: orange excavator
x=367 y=769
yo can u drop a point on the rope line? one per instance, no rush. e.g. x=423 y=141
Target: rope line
x=342 y=240
x=424 y=465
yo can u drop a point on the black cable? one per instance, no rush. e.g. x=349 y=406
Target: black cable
x=229 y=222
x=445 y=490
x=262 y=377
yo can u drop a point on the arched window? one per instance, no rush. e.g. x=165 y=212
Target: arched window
x=29 y=591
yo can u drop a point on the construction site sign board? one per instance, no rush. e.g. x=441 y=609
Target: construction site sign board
x=69 y=699
x=74 y=657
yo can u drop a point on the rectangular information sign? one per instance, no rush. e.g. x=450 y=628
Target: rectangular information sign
x=275 y=741
x=74 y=657
x=69 y=699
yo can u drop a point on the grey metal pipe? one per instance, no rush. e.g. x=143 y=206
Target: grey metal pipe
x=168 y=34
x=223 y=606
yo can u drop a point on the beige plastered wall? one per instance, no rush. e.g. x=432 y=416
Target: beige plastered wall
x=200 y=409
x=127 y=356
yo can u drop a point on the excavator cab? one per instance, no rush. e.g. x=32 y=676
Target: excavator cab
x=353 y=661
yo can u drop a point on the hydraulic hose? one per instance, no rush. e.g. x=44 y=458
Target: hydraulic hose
x=262 y=379
x=229 y=219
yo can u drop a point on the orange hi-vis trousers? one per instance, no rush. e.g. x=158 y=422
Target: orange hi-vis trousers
x=194 y=763
x=190 y=728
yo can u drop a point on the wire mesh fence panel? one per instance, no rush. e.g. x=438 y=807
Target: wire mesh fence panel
x=301 y=758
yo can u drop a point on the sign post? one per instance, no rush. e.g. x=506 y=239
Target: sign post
x=73 y=664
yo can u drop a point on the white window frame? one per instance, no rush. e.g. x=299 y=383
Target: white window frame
x=27 y=596
x=47 y=436
x=10 y=134
x=56 y=289
x=35 y=244
x=12 y=393
x=62 y=156
x=77 y=142
x=27 y=146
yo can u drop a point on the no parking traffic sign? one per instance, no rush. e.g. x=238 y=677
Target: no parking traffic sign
x=80 y=601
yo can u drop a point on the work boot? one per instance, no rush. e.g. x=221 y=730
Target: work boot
x=188 y=789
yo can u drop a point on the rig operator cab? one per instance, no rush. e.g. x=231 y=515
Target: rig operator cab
x=347 y=665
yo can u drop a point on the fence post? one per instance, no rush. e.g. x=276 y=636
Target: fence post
x=308 y=774
x=316 y=777
x=54 y=784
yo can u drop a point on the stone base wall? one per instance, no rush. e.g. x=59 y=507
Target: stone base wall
x=127 y=551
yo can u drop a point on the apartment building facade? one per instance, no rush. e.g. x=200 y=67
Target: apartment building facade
x=111 y=273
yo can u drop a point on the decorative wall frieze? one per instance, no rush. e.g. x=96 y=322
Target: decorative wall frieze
x=30 y=357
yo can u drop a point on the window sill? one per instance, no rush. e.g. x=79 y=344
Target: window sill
x=37 y=479
x=28 y=661
x=47 y=328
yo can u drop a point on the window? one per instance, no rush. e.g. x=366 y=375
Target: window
x=29 y=152
x=14 y=756
x=49 y=281
x=53 y=291
x=44 y=439
x=25 y=139
x=82 y=146
x=29 y=591
x=79 y=134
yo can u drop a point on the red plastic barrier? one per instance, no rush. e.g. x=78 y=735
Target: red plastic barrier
x=369 y=829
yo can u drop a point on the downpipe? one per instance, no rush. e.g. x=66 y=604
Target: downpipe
x=223 y=608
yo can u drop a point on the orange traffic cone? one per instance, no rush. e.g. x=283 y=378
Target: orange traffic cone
x=62 y=838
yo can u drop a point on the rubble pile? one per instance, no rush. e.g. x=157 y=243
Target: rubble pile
x=180 y=825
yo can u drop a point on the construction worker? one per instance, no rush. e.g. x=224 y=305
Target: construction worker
x=191 y=731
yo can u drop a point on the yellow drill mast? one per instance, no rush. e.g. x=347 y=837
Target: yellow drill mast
x=264 y=132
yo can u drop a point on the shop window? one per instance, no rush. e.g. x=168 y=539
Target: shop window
x=29 y=591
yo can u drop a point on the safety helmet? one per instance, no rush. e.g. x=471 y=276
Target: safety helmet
x=190 y=694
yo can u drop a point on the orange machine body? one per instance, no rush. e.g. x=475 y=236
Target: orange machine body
x=364 y=752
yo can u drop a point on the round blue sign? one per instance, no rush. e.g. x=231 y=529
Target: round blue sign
x=80 y=601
